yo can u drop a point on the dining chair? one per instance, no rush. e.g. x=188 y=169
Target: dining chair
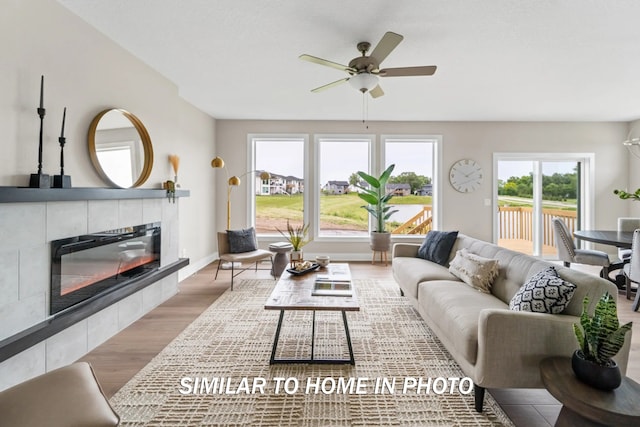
x=627 y=224
x=632 y=269
x=568 y=253
x=235 y=258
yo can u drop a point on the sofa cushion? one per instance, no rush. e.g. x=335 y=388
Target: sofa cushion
x=474 y=270
x=409 y=272
x=454 y=309
x=437 y=245
x=243 y=240
x=544 y=292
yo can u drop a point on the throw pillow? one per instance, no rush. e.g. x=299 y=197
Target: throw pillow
x=474 y=270
x=243 y=240
x=437 y=246
x=544 y=292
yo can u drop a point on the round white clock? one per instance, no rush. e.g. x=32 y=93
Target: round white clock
x=465 y=175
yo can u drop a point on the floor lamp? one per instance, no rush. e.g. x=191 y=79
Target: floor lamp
x=234 y=181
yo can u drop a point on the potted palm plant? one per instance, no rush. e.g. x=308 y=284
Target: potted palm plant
x=378 y=206
x=298 y=237
x=600 y=337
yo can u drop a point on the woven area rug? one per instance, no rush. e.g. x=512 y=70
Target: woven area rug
x=233 y=338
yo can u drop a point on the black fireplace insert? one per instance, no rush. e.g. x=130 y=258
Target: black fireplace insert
x=88 y=266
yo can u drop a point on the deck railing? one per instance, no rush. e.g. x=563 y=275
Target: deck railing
x=420 y=223
x=514 y=222
x=517 y=222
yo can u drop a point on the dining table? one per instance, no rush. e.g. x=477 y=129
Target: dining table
x=619 y=239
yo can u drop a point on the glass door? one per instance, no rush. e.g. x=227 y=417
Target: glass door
x=531 y=190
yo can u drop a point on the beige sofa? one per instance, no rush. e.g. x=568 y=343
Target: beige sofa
x=495 y=346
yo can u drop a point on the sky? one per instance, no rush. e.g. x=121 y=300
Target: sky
x=340 y=159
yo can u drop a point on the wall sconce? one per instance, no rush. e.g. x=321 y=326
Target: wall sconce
x=234 y=181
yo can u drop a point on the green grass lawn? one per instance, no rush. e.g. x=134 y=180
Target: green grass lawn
x=344 y=209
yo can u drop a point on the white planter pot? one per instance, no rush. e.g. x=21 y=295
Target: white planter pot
x=380 y=241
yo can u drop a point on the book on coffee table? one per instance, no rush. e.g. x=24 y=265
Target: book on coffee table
x=330 y=288
x=335 y=281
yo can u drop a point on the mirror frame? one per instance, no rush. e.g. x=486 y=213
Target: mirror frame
x=146 y=145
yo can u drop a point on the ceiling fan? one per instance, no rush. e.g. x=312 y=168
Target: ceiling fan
x=364 y=70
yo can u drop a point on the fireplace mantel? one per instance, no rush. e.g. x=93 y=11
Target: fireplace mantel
x=25 y=194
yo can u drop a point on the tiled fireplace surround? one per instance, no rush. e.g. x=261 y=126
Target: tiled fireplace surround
x=25 y=232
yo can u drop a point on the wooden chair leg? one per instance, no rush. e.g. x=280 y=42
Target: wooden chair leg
x=627 y=286
x=218 y=269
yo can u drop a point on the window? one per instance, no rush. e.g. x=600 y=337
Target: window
x=339 y=207
x=412 y=183
x=280 y=198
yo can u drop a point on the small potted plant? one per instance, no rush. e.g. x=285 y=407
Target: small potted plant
x=600 y=337
x=378 y=206
x=298 y=237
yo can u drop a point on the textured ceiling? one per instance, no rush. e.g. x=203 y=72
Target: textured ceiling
x=497 y=59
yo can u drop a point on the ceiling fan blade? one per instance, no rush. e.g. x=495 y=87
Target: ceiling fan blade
x=330 y=85
x=326 y=63
x=427 y=70
x=388 y=42
x=376 y=92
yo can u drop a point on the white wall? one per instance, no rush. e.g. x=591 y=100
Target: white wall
x=87 y=72
x=476 y=140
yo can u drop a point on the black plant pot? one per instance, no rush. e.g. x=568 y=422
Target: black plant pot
x=598 y=376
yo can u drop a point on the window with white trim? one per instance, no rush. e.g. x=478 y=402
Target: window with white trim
x=339 y=211
x=412 y=183
x=279 y=199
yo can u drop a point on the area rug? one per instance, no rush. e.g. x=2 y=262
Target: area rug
x=229 y=346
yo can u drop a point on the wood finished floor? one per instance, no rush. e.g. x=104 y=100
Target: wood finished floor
x=120 y=358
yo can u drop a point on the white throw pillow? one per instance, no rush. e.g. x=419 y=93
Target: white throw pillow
x=474 y=270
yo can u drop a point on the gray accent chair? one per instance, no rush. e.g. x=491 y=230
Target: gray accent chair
x=568 y=253
x=632 y=269
x=627 y=224
x=242 y=257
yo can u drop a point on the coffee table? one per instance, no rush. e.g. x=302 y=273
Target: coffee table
x=295 y=293
x=586 y=406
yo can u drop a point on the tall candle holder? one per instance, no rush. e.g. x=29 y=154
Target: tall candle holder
x=62 y=180
x=40 y=180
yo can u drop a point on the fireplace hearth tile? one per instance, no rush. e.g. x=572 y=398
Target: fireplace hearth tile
x=67 y=346
x=102 y=215
x=22 y=314
x=65 y=219
x=23 y=366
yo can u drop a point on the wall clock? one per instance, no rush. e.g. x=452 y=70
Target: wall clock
x=465 y=175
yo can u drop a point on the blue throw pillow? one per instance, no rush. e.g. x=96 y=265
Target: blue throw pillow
x=243 y=240
x=437 y=246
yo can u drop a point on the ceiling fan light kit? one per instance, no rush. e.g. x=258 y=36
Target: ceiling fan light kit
x=364 y=70
x=364 y=82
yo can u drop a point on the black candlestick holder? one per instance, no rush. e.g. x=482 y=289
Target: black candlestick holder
x=62 y=180
x=40 y=180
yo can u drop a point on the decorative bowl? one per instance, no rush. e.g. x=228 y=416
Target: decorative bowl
x=322 y=260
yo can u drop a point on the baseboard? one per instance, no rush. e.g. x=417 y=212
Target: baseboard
x=193 y=268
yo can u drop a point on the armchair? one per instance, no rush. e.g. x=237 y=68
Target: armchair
x=239 y=257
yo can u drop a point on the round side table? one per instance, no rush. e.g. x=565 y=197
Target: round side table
x=281 y=259
x=583 y=405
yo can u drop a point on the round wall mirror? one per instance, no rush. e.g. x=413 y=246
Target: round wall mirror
x=120 y=148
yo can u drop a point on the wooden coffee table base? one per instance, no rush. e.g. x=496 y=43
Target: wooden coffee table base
x=586 y=406
x=312 y=359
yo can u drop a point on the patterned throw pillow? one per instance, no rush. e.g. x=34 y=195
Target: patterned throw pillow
x=243 y=240
x=544 y=292
x=474 y=270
